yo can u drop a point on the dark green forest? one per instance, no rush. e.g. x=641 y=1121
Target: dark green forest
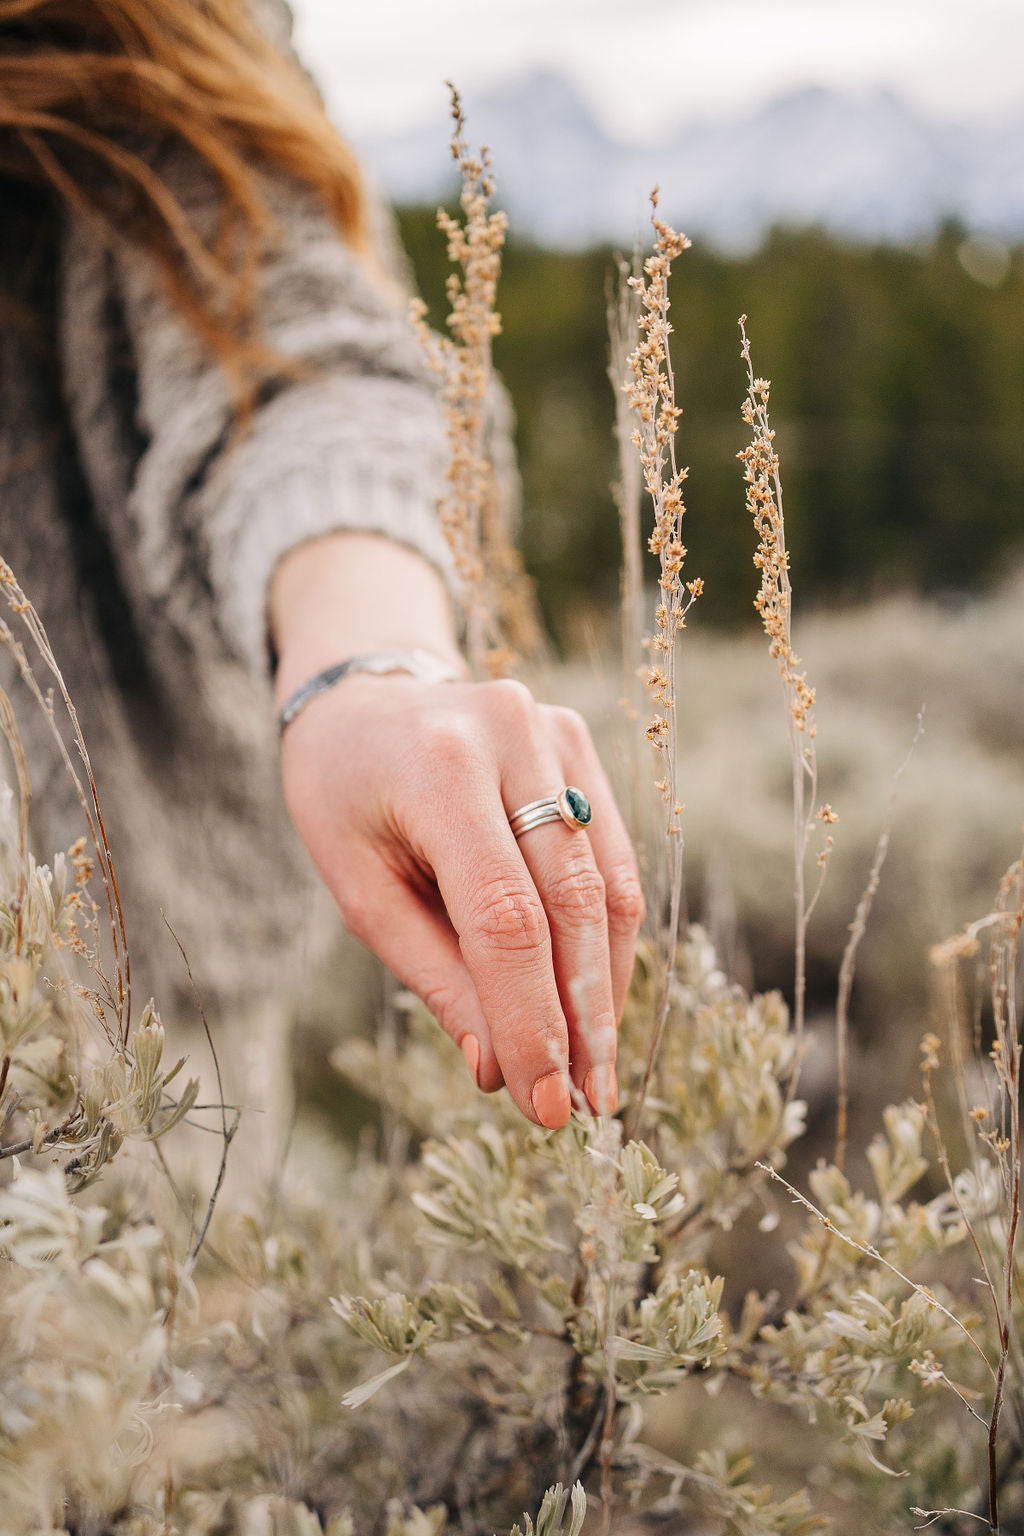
x=898 y=399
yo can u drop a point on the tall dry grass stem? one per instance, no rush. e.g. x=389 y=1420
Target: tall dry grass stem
x=227 y=1131
x=119 y=994
x=650 y=391
x=623 y=311
x=997 y=1125
x=848 y=965
x=774 y=603
x=498 y=599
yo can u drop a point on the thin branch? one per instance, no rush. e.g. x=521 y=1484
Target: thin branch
x=9 y=727
x=849 y=962
x=931 y=1515
x=20 y=1148
x=229 y=1134
x=227 y=1131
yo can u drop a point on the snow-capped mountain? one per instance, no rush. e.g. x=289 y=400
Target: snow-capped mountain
x=869 y=166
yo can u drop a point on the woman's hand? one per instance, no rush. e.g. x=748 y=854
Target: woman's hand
x=522 y=950
x=402 y=792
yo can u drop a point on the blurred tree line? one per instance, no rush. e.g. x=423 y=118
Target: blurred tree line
x=898 y=400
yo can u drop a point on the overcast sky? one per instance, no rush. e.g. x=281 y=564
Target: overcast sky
x=645 y=67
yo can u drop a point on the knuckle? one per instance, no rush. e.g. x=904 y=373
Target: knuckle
x=532 y=1049
x=578 y=893
x=544 y=1047
x=441 y=749
x=440 y=1001
x=510 y=699
x=624 y=899
x=443 y=740
x=507 y=916
x=570 y=724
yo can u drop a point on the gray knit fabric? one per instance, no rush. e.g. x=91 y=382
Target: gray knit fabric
x=146 y=532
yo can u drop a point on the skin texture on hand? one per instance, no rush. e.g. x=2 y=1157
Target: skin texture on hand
x=402 y=792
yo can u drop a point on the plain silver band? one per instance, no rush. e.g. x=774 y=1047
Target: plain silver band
x=534 y=815
x=549 y=802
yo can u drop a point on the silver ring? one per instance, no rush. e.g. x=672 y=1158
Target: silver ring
x=570 y=806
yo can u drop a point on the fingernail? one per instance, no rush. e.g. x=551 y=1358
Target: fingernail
x=551 y=1102
x=601 y=1089
x=471 y=1050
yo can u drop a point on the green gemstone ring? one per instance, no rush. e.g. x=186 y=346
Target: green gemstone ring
x=570 y=806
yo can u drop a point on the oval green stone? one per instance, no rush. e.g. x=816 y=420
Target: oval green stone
x=578 y=803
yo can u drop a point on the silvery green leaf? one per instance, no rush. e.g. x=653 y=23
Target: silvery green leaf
x=848 y=1327
x=552 y=1512
x=362 y=1394
x=178 y=1113
x=631 y=1349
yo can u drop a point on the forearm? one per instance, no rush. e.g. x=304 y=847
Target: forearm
x=350 y=592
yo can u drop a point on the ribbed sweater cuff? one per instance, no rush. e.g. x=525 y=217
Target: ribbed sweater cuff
x=324 y=481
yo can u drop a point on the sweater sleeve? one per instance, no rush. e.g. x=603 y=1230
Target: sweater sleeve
x=355 y=441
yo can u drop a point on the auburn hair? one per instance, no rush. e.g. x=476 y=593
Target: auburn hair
x=91 y=89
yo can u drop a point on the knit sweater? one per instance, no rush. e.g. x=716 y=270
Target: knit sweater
x=145 y=530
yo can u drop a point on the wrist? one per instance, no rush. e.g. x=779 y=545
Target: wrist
x=349 y=594
x=301 y=666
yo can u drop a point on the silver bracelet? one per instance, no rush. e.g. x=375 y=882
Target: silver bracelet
x=421 y=664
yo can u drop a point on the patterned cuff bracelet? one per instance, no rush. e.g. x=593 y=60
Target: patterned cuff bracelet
x=421 y=664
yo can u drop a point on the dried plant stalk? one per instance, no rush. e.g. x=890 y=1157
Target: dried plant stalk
x=848 y=965
x=497 y=596
x=623 y=318
x=651 y=394
x=119 y=993
x=997 y=1127
x=623 y=313
x=774 y=602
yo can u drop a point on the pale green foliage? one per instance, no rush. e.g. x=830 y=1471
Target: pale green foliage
x=511 y=1278
x=850 y=1347
x=897 y=1161
x=40 y=1228
x=551 y=1516
x=68 y=1085
x=719 y=1480
x=629 y=1311
x=719 y=1075
x=83 y=1352
x=392 y=1324
x=415 y=1522
x=668 y=1333
x=480 y=1194
x=747 y=1508
x=39 y=922
x=123 y=1096
x=651 y=1192
x=84 y=1370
